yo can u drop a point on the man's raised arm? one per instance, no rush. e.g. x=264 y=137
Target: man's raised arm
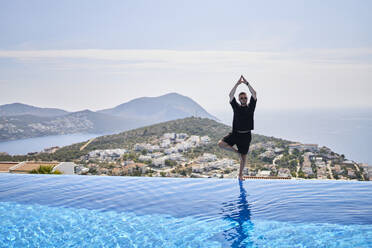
x=253 y=92
x=232 y=92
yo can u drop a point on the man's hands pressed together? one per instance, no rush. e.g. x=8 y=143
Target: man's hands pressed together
x=242 y=80
x=253 y=92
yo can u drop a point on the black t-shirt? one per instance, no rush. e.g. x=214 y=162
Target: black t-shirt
x=243 y=116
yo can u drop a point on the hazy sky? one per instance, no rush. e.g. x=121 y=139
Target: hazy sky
x=79 y=55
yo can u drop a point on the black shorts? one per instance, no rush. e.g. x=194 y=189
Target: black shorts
x=242 y=141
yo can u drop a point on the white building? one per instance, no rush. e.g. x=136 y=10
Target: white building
x=205 y=139
x=277 y=150
x=145 y=146
x=348 y=162
x=65 y=167
x=186 y=146
x=153 y=148
x=144 y=157
x=165 y=143
x=81 y=169
x=207 y=157
x=156 y=154
x=170 y=150
x=318 y=159
x=267 y=154
x=179 y=140
x=307 y=170
x=169 y=135
x=139 y=146
x=175 y=156
x=194 y=138
x=222 y=163
x=263 y=173
x=106 y=154
x=159 y=162
x=180 y=147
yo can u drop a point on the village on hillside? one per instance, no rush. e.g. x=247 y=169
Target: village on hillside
x=169 y=155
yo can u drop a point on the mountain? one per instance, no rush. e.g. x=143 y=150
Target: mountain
x=149 y=110
x=19 y=121
x=24 y=109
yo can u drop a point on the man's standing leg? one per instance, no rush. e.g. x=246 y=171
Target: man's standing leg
x=243 y=159
x=247 y=138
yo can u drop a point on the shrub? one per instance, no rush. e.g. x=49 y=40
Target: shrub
x=45 y=169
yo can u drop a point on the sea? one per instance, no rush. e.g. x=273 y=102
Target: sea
x=37 y=144
x=346 y=131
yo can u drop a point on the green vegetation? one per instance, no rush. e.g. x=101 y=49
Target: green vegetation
x=301 y=174
x=184 y=171
x=131 y=156
x=45 y=169
x=170 y=163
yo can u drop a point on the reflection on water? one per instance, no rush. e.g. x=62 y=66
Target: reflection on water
x=237 y=212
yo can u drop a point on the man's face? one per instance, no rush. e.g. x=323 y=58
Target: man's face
x=243 y=99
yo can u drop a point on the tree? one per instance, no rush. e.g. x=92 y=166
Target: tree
x=301 y=160
x=170 y=163
x=183 y=172
x=301 y=174
x=295 y=152
x=293 y=163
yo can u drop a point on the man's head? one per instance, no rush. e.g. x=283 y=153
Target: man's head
x=243 y=98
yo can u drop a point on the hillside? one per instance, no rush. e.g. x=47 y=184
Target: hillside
x=26 y=126
x=195 y=153
x=127 y=139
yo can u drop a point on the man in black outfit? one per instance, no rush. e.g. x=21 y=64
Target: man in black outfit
x=242 y=124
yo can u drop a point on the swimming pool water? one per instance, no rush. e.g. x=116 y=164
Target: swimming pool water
x=94 y=211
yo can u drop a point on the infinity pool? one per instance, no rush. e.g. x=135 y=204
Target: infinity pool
x=94 y=211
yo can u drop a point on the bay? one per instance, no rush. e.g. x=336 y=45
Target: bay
x=37 y=144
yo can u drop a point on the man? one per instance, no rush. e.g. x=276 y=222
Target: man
x=242 y=124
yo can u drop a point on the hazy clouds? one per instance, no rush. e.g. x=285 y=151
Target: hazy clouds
x=297 y=54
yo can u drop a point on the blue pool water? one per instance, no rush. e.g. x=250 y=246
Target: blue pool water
x=94 y=211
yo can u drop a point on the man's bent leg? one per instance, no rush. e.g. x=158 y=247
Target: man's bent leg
x=222 y=144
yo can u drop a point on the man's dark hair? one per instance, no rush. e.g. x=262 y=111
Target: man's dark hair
x=242 y=93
